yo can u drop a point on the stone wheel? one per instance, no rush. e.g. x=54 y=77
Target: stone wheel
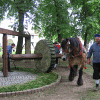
x=46 y=48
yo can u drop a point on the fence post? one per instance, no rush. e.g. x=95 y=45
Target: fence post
x=28 y=47
x=5 y=60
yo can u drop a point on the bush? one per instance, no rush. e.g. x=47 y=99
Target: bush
x=0 y=49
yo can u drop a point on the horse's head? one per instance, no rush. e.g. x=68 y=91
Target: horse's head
x=72 y=46
x=66 y=46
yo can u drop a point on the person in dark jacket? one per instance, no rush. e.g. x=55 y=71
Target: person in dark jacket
x=95 y=50
x=9 y=51
x=57 y=51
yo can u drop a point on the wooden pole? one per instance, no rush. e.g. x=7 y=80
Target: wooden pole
x=28 y=45
x=29 y=56
x=25 y=56
x=5 y=60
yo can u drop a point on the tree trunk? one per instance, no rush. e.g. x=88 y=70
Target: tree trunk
x=21 y=29
x=59 y=38
x=85 y=40
x=58 y=16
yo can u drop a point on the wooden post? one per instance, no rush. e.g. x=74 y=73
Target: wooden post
x=28 y=47
x=5 y=60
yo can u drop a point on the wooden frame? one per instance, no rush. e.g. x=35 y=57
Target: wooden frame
x=6 y=32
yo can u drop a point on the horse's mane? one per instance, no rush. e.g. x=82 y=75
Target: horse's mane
x=63 y=44
x=73 y=41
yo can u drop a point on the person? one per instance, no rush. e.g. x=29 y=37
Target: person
x=58 y=45
x=95 y=50
x=57 y=52
x=9 y=51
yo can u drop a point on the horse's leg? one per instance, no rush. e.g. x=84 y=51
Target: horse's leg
x=71 y=75
x=75 y=70
x=80 y=80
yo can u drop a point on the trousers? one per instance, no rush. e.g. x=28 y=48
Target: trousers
x=96 y=70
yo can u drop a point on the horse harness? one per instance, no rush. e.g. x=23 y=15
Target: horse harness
x=71 y=54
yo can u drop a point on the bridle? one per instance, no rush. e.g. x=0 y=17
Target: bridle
x=71 y=53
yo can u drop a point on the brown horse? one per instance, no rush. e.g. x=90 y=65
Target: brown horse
x=76 y=56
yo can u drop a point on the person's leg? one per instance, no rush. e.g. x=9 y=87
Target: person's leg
x=56 y=63
x=9 y=70
x=8 y=64
x=96 y=75
x=97 y=85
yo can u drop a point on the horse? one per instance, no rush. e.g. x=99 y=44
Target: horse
x=76 y=54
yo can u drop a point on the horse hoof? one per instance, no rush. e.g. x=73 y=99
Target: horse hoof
x=80 y=82
x=71 y=78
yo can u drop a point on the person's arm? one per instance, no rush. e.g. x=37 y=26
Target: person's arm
x=89 y=54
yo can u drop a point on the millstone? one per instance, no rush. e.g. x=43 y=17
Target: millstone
x=46 y=48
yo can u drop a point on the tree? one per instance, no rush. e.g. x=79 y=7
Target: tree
x=88 y=19
x=21 y=9
x=52 y=19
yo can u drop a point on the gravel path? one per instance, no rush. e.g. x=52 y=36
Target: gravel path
x=15 y=78
x=66 y=90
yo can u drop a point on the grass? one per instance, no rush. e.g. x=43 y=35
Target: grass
x=90 y=94
x=41 y=80
x=89 y=69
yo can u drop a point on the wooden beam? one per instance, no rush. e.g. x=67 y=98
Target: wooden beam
x=28 y=56
x=5 y=60
x=25 y=56
x=10 y=32
x=27 y=45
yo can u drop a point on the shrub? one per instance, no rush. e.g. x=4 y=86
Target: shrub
x=0 y=49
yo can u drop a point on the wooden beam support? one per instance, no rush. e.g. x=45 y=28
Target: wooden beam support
x=25 y=56
x=10 y=32
x=29 y=56
x=5 y=60
x=28 y=45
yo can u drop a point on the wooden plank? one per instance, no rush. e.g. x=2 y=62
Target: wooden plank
x=25 y=56
x=10 y=32
x=5 y=60
x=27 y=45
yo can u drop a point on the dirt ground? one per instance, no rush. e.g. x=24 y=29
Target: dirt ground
x=66 y=90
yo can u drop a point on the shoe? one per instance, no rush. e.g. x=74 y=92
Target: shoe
x=10 y=70
x=55 y=66
x=97 y=87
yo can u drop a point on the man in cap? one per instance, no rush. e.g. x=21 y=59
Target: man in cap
x=57 y=52
x=95 y=49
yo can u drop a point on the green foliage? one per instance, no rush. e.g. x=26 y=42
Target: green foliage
x=0 y=49
x=87 y=14
x=4 y=4
x=52 y=18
